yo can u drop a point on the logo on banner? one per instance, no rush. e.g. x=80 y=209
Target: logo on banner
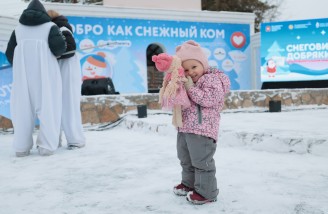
x=238 y=39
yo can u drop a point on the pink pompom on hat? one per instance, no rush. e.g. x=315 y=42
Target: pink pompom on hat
x=162 y=61
x=192 y=50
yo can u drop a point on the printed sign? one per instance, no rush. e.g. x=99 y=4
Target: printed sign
x=5 y=90
x=294 y=50
x=6 y=78
x=116 y=48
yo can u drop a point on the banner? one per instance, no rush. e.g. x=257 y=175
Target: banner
x=294 y=50
x=124 y=59
x=5 y=90
x=6 y=78
x=122 y=51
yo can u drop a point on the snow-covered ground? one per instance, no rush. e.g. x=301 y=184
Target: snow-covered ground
x=267 y=163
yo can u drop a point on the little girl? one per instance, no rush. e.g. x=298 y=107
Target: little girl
x=196 y=140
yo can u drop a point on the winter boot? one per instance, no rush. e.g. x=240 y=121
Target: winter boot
x=181 y=190
x=75 y=146
x=22 y=154
x=197 y=199
x=44 y=152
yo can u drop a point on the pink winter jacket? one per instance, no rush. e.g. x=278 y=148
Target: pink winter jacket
x=207 y=100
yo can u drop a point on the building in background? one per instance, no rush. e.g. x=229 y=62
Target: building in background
x=123 y=36
x=191 y=5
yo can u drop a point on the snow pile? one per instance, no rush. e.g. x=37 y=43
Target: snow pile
x=302 y=131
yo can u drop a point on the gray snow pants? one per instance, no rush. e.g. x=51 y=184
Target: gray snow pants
x=195 y=153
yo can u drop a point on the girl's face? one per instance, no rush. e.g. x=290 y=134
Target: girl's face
x=193 y=68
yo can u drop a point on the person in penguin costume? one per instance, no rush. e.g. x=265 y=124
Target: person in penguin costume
x=37 y=88
x=70 y=68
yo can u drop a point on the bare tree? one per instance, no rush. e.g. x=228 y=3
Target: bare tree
x=264 y=10
x=99 y=2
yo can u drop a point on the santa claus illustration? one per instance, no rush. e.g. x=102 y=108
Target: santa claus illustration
x=271 y=68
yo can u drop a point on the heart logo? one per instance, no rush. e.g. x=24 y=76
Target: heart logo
x=238 y=39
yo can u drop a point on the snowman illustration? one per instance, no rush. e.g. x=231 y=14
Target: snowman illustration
x=96 y=67
x=271 y=68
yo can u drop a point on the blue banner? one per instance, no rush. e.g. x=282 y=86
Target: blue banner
x=6 y=78
x=294 y=50
x=116 y=48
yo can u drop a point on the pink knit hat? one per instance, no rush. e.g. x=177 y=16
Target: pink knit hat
x=162 y=61
x=192 y=50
